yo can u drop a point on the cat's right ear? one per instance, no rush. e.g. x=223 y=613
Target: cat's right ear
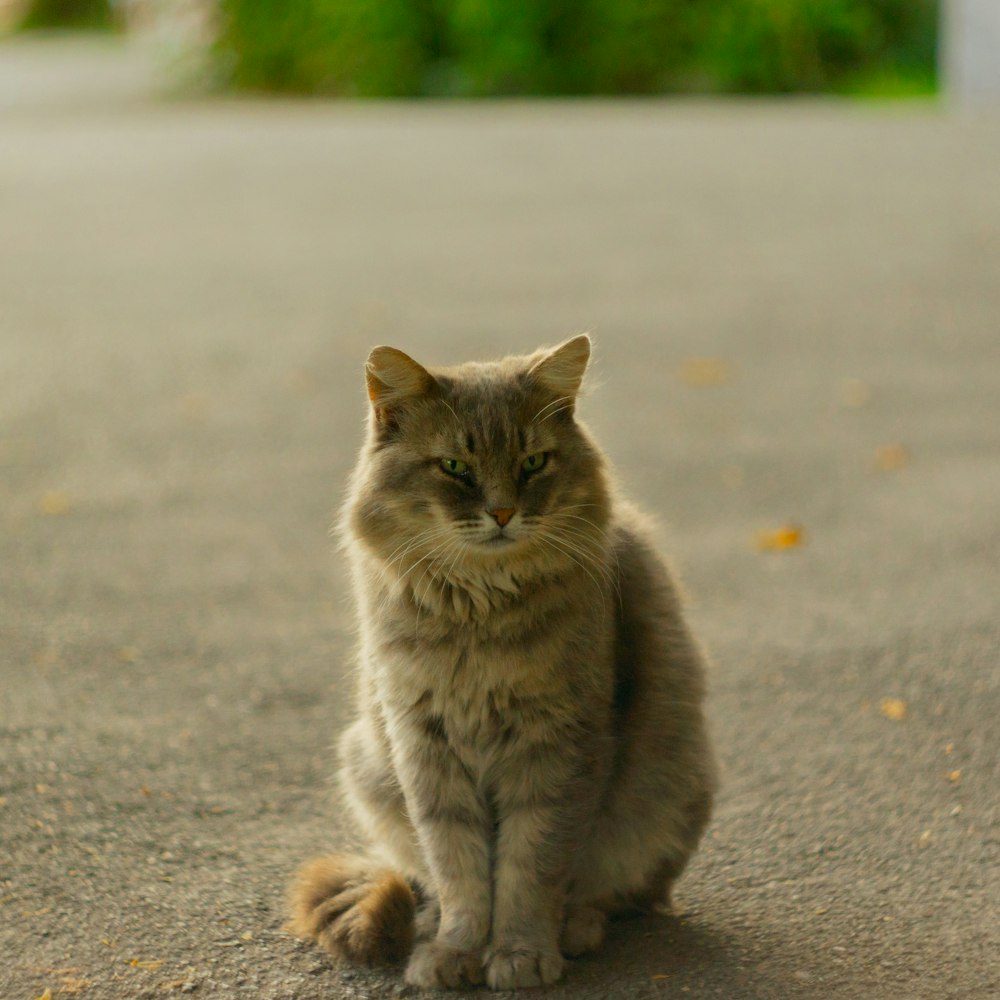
x=393 y=378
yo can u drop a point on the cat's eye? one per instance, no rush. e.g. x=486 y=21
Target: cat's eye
x=534 y=462
x=454 y=466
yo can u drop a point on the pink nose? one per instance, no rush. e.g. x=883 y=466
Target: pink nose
x=501 y=515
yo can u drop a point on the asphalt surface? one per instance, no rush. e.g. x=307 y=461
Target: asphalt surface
x=187 y=294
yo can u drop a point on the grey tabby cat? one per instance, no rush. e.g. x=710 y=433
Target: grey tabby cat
x=530 y=755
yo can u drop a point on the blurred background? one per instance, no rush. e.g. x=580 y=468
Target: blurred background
x=780 y=219
x=477 y=48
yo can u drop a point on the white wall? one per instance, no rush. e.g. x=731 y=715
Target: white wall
x=970 y=52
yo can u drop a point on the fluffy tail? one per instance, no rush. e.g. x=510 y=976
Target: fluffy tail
x=354 y=909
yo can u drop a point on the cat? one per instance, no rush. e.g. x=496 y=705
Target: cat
x=530 y=755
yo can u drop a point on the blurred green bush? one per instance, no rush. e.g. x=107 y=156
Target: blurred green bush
x=42 y=14
x=408 y=48
x=404 y=48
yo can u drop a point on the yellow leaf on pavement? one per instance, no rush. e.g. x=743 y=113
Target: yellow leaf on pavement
x=893 y=708
x=54 y=503
x=703 y=373
x=789 y=536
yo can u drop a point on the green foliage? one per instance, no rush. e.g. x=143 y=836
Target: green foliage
x=768 y=46
x=43 y=14
x=780 y=46
x=641 y=46
x=324 y=46
x=403 y=48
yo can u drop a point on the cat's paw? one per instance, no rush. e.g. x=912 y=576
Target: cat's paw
x=513 y=968
x=437 y=966
x=583 y=931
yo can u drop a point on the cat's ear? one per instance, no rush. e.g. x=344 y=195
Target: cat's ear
x=561 y=370
x=393 y=378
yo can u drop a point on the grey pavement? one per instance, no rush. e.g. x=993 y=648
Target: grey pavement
x=187 y=294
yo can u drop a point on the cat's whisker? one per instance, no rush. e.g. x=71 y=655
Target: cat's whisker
x=586 y=520
x=562 y=409
x=428 y=558
x=594 y=553
x=591 y=559
x=453 y=413
x=420 y=599
x=443 y=573
x=550 y=541
x=407 y=547
x=596 y=535
x=554 y=402
x=410 y=543
x=447 y=574
x=603 y=547
x=595 y=546
x=404 y=574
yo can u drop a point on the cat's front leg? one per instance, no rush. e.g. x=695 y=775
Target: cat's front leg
x=543 y=801
x=453 y=827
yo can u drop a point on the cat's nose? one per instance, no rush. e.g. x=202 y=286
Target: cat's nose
x=501 y=514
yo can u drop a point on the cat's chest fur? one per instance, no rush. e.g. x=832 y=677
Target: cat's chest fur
x=480 y=690
x=484 y=684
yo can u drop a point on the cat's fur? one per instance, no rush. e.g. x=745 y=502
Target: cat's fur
x=530 y=755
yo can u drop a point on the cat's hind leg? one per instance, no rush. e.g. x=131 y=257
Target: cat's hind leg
x=583 y=930
x=629 y=868
x=372 y=791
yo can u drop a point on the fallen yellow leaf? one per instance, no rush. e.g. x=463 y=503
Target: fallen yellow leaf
x=152 y=966
x=954 y=777
x=74 y=985
x=893 y=708
x=891 y=458
x=54 y=503
x=701 y=373
x=788 y=536
x=47 y=995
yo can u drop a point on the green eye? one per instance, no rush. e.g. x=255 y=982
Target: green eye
x=454 y=466
x=534 y=462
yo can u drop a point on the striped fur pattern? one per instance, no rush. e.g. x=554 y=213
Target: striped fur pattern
x=530 y=753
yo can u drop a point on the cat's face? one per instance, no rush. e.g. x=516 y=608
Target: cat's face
x=484 y=462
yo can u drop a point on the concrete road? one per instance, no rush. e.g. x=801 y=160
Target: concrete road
x=187 y=293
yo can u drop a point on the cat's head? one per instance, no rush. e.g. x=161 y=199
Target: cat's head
x=480 y=463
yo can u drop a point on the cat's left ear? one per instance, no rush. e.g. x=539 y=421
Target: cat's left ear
x=393 y=379
x=562 y=369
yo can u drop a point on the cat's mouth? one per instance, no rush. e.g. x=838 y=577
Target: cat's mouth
x=498 y=540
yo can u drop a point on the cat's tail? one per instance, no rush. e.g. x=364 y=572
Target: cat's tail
x=354 y=908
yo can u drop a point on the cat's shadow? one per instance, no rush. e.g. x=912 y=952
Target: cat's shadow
x=643 y=958
x=648 y=957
